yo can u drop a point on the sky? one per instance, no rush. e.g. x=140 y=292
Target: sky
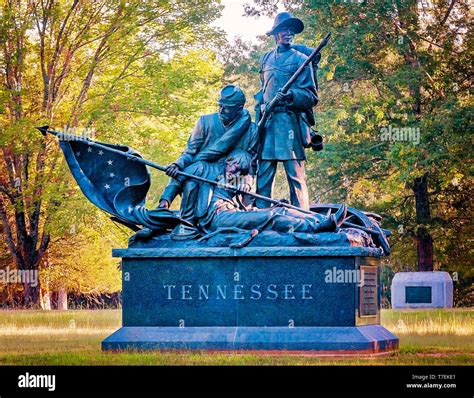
x=235 y=24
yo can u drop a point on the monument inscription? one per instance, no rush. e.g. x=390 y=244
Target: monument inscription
x=238 y=292
x=418 y=294
x=204 y=292
x=369 y=291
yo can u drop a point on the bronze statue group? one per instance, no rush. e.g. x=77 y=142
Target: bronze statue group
x=228 y=147
x=226 y=173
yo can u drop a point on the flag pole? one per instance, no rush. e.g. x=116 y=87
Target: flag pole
x=70 y=137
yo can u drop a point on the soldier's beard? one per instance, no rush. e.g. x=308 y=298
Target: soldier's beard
x=282 y=47
x=223 y=119
x=227 y=120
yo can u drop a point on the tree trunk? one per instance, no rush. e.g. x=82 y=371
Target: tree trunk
x=46 y=300
x=423 y=240
x=62 y=299
x=32 y=295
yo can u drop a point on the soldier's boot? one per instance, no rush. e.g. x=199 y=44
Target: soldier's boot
x=184 y=232
x=333 y=221
x=341 y=214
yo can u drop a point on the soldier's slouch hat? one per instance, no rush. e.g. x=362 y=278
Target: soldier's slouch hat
x=286 y=20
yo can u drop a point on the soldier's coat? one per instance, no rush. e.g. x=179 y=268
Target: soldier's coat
x=287 y=131
x=210 y=142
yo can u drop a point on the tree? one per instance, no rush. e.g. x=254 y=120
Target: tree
x=58 y=59
x=395 y=72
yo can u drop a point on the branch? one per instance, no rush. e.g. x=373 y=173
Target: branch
x=448 y=12
x=99 y=54
x=443 y=21
x=58 y=49
x=41 y=33
x=43 y=246
x=4 y=189
x=38 y=187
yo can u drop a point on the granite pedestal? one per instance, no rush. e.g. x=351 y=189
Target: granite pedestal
x=322 y=299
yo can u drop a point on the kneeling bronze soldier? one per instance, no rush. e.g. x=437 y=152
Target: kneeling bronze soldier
x=212 y=138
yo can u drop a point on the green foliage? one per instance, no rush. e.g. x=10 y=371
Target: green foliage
x=136 y=73
x=139 y=73
x=401 y=64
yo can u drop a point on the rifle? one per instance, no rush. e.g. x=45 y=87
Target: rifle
x=273 y=103
x=229 y=187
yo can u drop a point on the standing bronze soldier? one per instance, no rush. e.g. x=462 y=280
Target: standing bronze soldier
x=288 y=130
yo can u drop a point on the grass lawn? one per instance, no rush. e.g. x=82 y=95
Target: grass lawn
x=428 y=337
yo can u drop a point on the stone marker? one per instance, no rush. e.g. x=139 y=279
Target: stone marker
x=422 y=290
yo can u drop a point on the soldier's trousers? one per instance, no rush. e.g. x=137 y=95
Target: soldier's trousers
x=296 y=176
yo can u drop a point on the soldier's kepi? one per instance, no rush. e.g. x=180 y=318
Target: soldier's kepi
x=214 y=136
x=287 y=130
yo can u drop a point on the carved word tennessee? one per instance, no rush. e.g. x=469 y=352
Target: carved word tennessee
x=238 y=292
